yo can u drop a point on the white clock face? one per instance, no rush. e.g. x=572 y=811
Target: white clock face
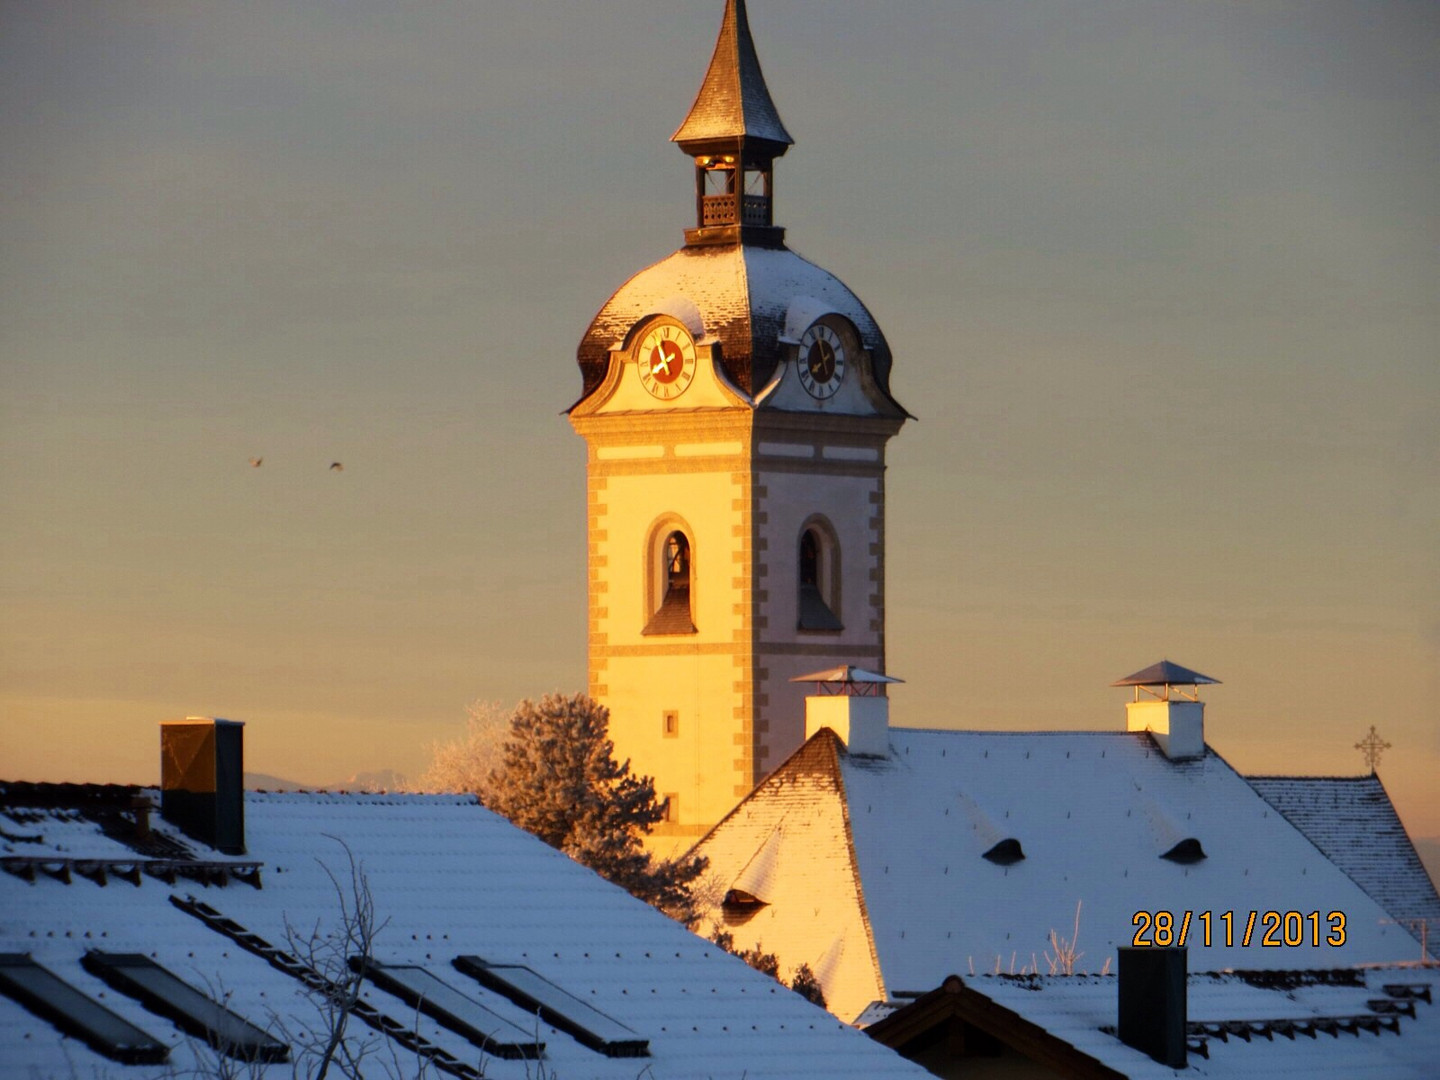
x=821 y=361
x=666 y=361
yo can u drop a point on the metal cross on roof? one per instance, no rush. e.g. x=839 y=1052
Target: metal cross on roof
x=1372 y=745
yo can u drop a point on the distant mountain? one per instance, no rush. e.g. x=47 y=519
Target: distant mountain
x=376 y=780
x=379 y=780
x=259 y=781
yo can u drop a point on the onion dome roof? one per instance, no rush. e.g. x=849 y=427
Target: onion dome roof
x=752 y=299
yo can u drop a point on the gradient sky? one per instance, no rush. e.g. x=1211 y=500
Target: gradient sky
x=1160 y=279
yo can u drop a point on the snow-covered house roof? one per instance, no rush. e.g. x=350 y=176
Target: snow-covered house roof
x=448 y=880
x=1379 y=1022
x=1352 y=820
x=961 y=851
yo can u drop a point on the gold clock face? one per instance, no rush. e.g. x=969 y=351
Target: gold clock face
x=821 y=361
x=666 y=361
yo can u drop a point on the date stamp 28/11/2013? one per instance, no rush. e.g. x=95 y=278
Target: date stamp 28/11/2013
x=1268 y=929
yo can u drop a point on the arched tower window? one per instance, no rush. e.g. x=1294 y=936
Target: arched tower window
x=819 y=579
x=809 y=559
x=673 y=613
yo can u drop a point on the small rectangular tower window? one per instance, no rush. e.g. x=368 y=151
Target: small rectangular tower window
x=672 y=807
x=671 y=723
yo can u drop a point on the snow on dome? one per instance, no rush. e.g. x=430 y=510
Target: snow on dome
x=750 y=298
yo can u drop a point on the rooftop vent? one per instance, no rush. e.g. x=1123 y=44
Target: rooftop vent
x=1170 y=708
x=1006 y=853
x=1186 y=852
x=755 y=886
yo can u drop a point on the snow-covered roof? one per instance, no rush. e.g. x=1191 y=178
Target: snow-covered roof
x=734 y=102
x=1351 y=819
x=743 y=295
x=971 y=847
x=1094 y=813
x=448 y=879
x=1242 y=1026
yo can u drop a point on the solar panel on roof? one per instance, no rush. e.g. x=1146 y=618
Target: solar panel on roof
x=193 y=1012
x=534 y=993
x=440 y=1001
x=53 y=999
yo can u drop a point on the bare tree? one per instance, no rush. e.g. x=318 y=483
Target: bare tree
x=1067 y=954
x=327 y=952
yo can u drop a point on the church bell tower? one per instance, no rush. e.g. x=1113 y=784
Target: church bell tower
x=736 y=407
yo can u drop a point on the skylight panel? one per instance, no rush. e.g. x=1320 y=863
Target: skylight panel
x=53 y=999
x=441 y=1002
x=534 y=993
x=195 y=1013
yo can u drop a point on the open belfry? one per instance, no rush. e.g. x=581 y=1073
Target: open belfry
x=736 y=407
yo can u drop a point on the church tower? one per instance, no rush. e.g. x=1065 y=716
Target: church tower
x=736 y=407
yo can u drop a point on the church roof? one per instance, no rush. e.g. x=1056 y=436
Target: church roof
x=448 y=879
x=1094 y=812
x=1351 y=819
x=1102 y=822
x=744 y=296
x=734 y=102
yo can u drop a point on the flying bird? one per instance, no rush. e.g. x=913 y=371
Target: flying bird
x=255 y=462
x=335 y=466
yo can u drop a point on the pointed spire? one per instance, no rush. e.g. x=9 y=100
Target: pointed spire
x=733 y=104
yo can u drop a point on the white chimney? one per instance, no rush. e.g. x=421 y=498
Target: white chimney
x=851 y=702
x=1171 y=711
x=1178 y=726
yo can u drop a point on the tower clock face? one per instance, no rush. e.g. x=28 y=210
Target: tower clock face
x=666 y=361
x=821 y=361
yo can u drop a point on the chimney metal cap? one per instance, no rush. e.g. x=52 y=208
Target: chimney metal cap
x=848 y=681
x=846 y=673
x=1166 y=673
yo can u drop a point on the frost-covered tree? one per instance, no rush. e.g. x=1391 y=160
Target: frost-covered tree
x=804 y=982
x=464 y=764
x=558 y=778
